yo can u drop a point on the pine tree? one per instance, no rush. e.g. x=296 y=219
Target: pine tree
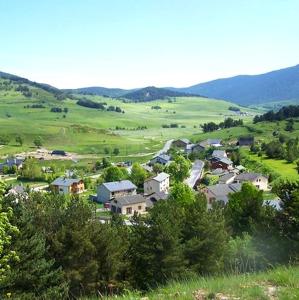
x=33 y=276
x=204 y=236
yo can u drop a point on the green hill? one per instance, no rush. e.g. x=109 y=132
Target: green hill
x=152 y=93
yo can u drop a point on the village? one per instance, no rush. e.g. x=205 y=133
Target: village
x=212 y=172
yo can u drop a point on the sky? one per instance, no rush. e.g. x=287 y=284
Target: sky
x=137 y=43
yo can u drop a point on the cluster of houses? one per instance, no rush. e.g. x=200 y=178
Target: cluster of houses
x=122 y=196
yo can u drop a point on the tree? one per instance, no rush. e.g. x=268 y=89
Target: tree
x=290 y=125
x=288 y=217
x=33 y=276
x=19 y=140
x=138 y=175
x=7 y=231
x=182 y=194
x=38 y=142
x=179 y=169
x=114 y=173
x=204 y=237
x=158 y=168
x=31 y=170
x=292 y=150
x=116 y=151
x=274 y=149
x=156 y=253
x=244 y=210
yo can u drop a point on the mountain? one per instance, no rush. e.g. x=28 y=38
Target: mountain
x=100 y=91
x=152 y=93
x=277 y=85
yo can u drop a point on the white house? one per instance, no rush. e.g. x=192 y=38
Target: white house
x=157 y=184
x=258 y=180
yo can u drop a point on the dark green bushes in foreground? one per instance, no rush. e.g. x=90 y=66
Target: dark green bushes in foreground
x=62 y=250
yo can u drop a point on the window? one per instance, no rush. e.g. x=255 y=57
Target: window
x=128 y=210
x=139 y=207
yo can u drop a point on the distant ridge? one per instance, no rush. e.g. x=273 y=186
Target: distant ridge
x=100 y=91
x=152 y=93
x=273 y=86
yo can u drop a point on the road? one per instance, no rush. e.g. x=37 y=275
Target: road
x=195 y=173
x=165 y=148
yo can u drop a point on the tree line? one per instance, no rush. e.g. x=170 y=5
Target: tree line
x=227 y=123
x=54 y=247
x=286 y=112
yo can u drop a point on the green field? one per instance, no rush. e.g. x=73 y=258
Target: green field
x=90 y=131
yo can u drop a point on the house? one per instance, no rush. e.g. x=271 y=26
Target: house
x=206 y=144
x=181 y=143
x=257 y=179
x=162 y=159
x=128 y=204
x=245 y=141
x=63 y=185
x=157 y=184
x=109 y=190
x=11 y=162
x=223 y=163
x=220 y=192
x=197 y=148
x=227 y=178
x=218 y=154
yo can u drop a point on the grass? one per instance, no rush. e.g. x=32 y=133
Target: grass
x=282 y=167
x=281 y=283
x=90 y=131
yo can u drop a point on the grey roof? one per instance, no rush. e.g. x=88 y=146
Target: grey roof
x=227 y=177
x=226 y=160
x=219 y=153
x=161 y=177
x=163 y=156
x=62 y=181
x=190 y=146
x=224 y=189
x=210 y=142
x=185 y=141
x=129 y=199
x=158 y=196
x=12 y=162
x=122 y=185
x=248 y=176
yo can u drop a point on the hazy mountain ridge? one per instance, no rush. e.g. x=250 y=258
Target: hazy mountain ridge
x=277 y=85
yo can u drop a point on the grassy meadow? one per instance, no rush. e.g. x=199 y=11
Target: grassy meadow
x=89 y=131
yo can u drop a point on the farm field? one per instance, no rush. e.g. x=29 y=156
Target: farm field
x=91 y=131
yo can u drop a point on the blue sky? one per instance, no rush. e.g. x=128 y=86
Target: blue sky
x=126 y=43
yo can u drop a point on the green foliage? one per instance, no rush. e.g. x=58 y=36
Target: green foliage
x=155 y=253
x=138 y=175
x=7 y=231
x=31 y=170
x=19 y=140
x=179 y=169
x=182 y=194
x=241 y=255
x=38 y=142
x=204 y=232
x=245 y=209
x=114 y=173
